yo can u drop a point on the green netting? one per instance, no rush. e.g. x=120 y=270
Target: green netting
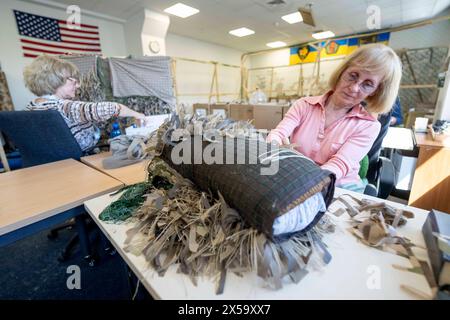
x=133 y=197
x=129 y=201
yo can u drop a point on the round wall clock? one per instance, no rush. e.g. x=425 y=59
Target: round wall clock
x=154 y=46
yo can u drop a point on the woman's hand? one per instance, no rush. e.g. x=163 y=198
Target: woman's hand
x=144 y=121
x=286 y=141
x=127 y=112
x=141 y=119
x=271 y=139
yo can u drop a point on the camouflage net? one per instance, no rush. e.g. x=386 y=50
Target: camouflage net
x=204 y=236
x=177 y=224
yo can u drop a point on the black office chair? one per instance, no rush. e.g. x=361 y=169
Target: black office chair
x=43 y=137
x=381 y=172
x=381 y=178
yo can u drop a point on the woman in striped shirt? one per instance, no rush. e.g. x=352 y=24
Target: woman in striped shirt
x=55 y=82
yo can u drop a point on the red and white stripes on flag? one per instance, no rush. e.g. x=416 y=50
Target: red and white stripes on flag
x=42 y=35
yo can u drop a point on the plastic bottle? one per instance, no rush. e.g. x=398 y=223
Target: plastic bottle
x=115 y=130
x=258 y=97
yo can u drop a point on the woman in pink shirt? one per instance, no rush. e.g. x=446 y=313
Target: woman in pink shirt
x=337 y=129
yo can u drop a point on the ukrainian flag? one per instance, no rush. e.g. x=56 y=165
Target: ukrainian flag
x=333 y=48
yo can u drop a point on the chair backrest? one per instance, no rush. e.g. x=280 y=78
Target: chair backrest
x=374 y=152
x=40 y=136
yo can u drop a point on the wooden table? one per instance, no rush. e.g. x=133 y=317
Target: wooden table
x=34 y=194
x=346 y=276
x=431 y=184
x=128 y=175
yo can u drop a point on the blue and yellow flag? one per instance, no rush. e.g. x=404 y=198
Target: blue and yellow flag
x=333 y=48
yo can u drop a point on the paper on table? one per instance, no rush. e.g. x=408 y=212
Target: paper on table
x=398 y=138
x=155 y=123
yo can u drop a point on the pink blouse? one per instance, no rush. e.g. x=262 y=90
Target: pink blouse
x=338 y=148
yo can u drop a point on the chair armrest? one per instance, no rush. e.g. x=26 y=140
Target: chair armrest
x=386 y=178
x=371 y=190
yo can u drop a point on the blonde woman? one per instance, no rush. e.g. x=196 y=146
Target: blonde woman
x=337 y=129
x=55 y=82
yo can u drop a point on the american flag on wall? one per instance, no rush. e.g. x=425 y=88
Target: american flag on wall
x=42 y=35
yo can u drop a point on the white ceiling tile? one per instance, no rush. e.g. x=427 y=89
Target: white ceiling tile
x=217 y=17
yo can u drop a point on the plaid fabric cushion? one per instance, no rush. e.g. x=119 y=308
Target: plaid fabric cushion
x=258 y=198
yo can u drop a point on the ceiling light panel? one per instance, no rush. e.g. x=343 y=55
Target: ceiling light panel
x=181 y=10
x=293 y=17
x=241 y=32
x=323 y=35
x=276 y=44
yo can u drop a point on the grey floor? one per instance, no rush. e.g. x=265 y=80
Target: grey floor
x=29 y=270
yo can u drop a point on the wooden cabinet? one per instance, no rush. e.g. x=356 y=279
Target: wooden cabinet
x=267 y=116
x=200 y=108
x=431 y=184
x=241 y=112
x=223 y=109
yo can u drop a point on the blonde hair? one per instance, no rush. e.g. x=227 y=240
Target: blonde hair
x=46 y=74
x=377 y=58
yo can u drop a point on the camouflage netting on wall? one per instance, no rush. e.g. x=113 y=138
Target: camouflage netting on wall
x=6 y=103
x=426 y=64
x=96 y=86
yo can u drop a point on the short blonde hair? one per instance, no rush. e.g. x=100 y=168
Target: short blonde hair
x=377 y=58
x=46 y=74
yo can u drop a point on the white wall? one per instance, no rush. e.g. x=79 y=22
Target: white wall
x=433 y=35
x=144 y=27
x=443 y=101
x=11 y=58
x=270 y=59
x=180 y=46
x=192 y=77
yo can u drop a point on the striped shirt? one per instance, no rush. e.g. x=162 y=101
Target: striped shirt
x=81 y=117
